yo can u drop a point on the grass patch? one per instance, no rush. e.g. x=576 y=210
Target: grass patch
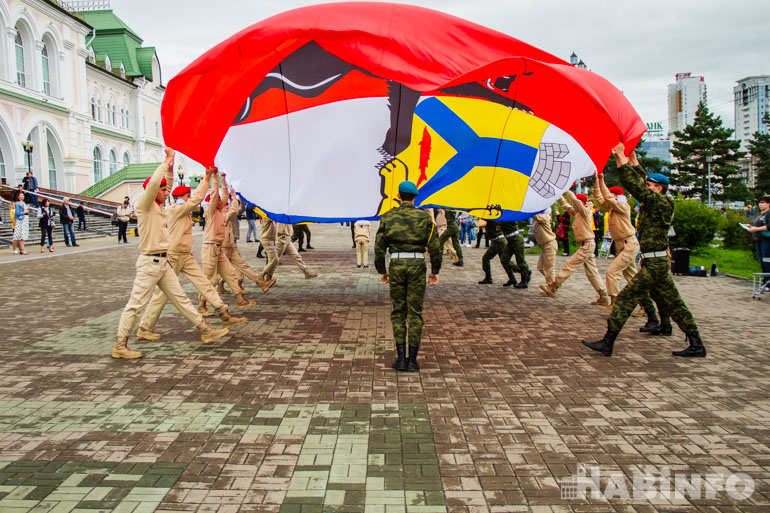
x=733 y=261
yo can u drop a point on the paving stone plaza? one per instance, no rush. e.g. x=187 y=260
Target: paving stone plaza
x=298 y=411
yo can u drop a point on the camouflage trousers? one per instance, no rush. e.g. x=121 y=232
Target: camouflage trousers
x=407 y=292
x=654 y=278
x=515 y=248
x=497 y=247
x=453 y=232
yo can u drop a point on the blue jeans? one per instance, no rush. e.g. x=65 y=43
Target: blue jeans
x=466 y=231
x=763 y=252
x=67 y=227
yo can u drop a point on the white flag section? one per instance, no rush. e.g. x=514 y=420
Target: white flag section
x=326 y=163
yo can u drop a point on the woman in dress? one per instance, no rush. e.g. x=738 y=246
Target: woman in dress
x=21 y=230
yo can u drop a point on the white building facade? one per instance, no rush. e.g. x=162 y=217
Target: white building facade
x=683 y=98
x=752 y=95
x=85 y=116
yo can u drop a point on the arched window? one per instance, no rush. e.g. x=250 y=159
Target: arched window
x=99 y=109
x=122 y=119
x=97 y=165
x=46 y=73
x=114 y=115
x=51 y=169
x=2 y=163
x=113 y=162
x=107 y=116
x=128 y=121
x=21 y=76
x=126 y=159
x=93 y=108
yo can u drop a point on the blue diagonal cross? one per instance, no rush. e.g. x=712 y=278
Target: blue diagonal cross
x=472 y=150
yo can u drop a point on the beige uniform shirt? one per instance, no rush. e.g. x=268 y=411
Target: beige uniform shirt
x=180 y=221
x=152 y=218
x=618 y=214
x=232 y=214
x=581 y=217
x=215 y=221
x=362 y=232
x=541 y=227
x=283 y=229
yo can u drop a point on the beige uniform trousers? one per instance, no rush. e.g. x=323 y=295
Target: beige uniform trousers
x=624 y=262
x=272 y=259
x=583 y=256
x=546 y=260
x=228 y=251
x=282 y=245
x=239 y=264
x=151 y=272
x=362 y=252
x=184 y=264
x=216 y=263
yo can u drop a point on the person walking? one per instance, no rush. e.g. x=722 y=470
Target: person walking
x=363 y=235
x=67 y=218
x=452 y=232
x=584 y=256
x=152 y=267
x=494 y=230
x=284 y=245
x=514 y=247
x=251 y=219
x=124 y=217
x=406 y=232
x=21 y=226
x=482 y=232
x=546 y=239
x=300 y=231
x=760 y=233
x=654 y=276
x=46 y=224
x=81 y=212
x=180 y=259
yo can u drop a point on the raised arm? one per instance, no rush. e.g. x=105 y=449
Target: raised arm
x=609 y=199
x=200 y=192
x=165 y=170
x=629 y=178
x=577 y=206
x=598 y=191
x=213 y=195
x=565 y=205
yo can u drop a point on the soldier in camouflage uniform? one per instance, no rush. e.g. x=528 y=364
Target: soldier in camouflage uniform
x=452 y=231
x=406 y=231
x=655 y=215
x=496 y=237
x=514 y=236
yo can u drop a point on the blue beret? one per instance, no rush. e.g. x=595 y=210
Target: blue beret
x=407 y=187
x=658 y=178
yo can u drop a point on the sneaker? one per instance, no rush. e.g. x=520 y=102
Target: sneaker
x=15 y=251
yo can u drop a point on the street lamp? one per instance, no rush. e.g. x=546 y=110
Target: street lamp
x=28 y=147
x=708 y=164
x=180 y=174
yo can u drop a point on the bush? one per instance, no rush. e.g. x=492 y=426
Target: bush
x=695 y=224
x=735 y=237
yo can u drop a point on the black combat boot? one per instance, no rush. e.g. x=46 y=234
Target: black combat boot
x=411 y=363
x=511 y=280
x=524 y=284
x=400 y=363
x=652 y=324
x=300 y=250
x=487 y=279
x=604 y=345
x=695 y=349
x=259 y=253
x=664 y=329
x=459 y=263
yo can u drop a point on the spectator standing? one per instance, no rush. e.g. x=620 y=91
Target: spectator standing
x=363 y=236
x=465 y=221
x=482 y=233
x=760 y=232
x=598 y=230
x=21 y=228
x=67 y=219
x=562 y=231
x=81 y=212
x=124 y=216
x=46 y=224
x=30 y=185
x=251 y=219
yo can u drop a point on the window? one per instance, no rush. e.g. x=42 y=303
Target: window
x=107 y=117
x=97 y=165
x=113 y=162
x=21 y=77
x=51 y=169
x=46 y=74
x=128 y=121
x=157 y=129
x=122 y=119
x=2 y=164
x=99 y=109
x=114 y=116
x=126 y=159
x=93 y=108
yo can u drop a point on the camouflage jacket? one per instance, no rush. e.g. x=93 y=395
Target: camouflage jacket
x=509 y=227
x=655 y=210
x=406 y=229
x=493 y=229
x=451 y=217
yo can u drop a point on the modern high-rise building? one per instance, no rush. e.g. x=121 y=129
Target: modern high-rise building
x=683 y=98
x=752 y=95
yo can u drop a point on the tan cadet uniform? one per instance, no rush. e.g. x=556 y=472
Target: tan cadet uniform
x=181 y=260
x=268 y=237
x=622 y=233
x=230 y=247
x=214 y=260
x=152 y=268
x=362 y=230
x=546 y=239
x=581 y=225
x=283 y=244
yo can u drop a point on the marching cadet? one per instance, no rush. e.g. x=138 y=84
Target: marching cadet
x=152 y=267
x=284 y=244
x=584 y=256
x=452 y=231
x=654 y=277
x=546 y=239
x=494 y=231
x=268 y=239
x=514 y=237
x=182 y=262
x=215 y=263
x=406 y=232
x=300 y=232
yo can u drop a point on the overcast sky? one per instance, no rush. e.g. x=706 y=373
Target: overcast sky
x=638 y=46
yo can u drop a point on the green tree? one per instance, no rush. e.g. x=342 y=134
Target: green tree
x=706 y=137
x=759 y=147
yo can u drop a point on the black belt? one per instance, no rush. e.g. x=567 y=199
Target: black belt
x=161 y=255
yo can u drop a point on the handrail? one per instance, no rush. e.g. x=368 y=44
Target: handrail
x=60 y=199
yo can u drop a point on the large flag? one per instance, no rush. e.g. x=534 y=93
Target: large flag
x=317 y=114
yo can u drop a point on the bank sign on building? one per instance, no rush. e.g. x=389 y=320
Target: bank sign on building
x=77 y=83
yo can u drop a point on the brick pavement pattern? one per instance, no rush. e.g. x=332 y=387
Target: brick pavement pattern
x=299 y=411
